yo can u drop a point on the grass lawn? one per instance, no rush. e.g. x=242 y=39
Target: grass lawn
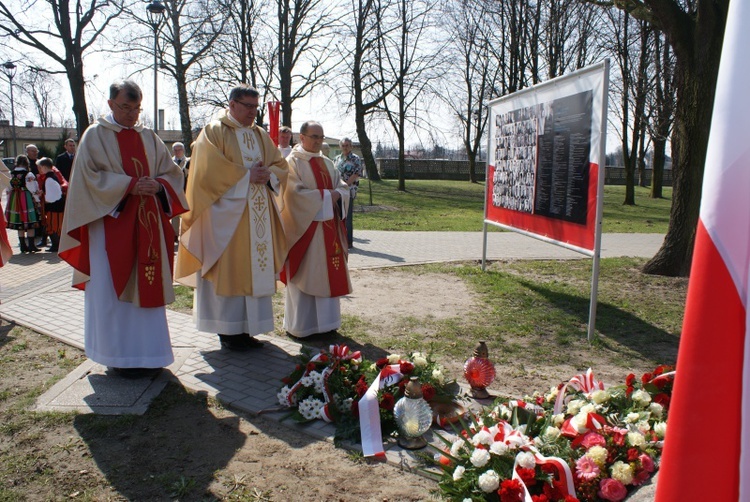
x=458 y=206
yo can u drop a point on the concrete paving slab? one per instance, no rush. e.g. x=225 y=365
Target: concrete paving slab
x=92 y=388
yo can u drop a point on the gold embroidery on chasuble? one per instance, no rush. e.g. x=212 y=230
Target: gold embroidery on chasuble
x=258 y=205
x=148 y=219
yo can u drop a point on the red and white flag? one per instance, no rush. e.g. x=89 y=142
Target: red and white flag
x=707 y=445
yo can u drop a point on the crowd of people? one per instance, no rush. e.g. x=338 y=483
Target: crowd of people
x=244 y=212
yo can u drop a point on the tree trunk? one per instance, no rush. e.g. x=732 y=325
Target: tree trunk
x=77 y=91
x=657 y=168
x=696 y=85
x=365 y=145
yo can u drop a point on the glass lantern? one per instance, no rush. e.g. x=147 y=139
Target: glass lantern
x=413 y=417
x=479 y=372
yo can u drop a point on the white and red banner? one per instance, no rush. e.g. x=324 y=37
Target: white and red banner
x=545 y=169
x=712 y=386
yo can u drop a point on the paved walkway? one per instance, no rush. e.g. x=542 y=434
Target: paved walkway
x=36 y=293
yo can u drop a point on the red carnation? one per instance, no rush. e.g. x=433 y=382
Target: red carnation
x=633 y=454
x=527 y=475
x=286 y=380
x=310 y=366
x=323 y=358
x=428 y=392
x=297 y=367
x=539 y=498
x=387 y=401
x=570 y=498
x=511 y=490
x=629 y=380
x=381 y=363
x=361 y=386
x=646 y=378
x=405 y=367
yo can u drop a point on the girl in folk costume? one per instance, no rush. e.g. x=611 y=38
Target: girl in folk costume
x=22 y=213
x=54 y=201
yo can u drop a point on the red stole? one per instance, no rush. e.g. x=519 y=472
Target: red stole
x=332 y=231
x=133 y=239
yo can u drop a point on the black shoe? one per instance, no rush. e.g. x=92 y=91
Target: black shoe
x=133 y=373
x=239 y=343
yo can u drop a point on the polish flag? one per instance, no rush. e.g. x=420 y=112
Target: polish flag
x=707 y=445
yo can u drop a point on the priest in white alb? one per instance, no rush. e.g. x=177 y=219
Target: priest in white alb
x=232 y=244
x=315 y=204
x=117 y=236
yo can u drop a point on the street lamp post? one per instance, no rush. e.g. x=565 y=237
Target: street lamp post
x=155 y=11
x=10 y=71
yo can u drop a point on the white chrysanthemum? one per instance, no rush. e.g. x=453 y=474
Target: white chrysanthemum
x=482 y=437
x=283 y=395
x=622 y=472
x=558 y=420
x=657 y=410
x=503 y=412
x=552 y=394
x=636 y=439
x=489 y=481
x=600 y=396
x=394 y=358
x=526 y=460
x=641 y=398
x=499 y=448
x=317 y=378
x=551 y=433
x=311 y=408
x=308 y=380
x=643 y=426
x=419 y=359
x=438 y=376
x=598 y=454
x=632 y=418
x=480 y=457
x=457 y=447
x=574 y=406
x=459 y=472
x=578 y=422
x=660 y=428
x=587 y=408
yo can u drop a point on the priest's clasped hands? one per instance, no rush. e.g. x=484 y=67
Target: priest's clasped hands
x=260 y=174
x=146 y=186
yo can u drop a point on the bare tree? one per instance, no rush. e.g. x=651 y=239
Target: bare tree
x=695 y=31
x=246 y=52
x=360 y=62
x=633 y=53
x=75 y=26
x=43 y=92
x=303 y=31
x=405 y=65
x=662 y=111
x=189 y=32
x=470 y=54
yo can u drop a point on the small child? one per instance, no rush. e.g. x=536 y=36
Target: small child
x=54 y=201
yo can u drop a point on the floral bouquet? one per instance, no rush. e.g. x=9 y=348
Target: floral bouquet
x=435 y=386
x=589 y=444
x=322 y=385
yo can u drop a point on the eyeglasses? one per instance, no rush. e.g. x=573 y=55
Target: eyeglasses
x=249 y=106
x=316 y=137
x=126 y=109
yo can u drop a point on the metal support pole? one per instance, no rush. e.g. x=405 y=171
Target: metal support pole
x=156 y=78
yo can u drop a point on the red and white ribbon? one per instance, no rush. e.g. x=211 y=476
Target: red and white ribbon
x=585 y=382
x=337 y=354
x=369 y=413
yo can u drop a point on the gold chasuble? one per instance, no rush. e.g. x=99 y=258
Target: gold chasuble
x=232 y=234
